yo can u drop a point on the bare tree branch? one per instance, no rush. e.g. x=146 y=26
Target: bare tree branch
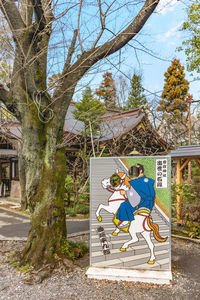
x=102 y=19
x=78 y=26
x=89 y=58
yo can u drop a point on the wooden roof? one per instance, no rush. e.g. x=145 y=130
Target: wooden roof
x=186 y=151
x=115 y=124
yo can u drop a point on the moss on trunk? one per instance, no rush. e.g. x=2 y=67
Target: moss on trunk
x=45 y=176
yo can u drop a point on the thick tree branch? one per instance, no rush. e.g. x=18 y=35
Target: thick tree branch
x=6 y=98
x=39 y=14
x=26 y=11
x=89 y=58
x=78 y=26
x=123 y=38
x=71 y=49
x=4 y=94
x=12 y=15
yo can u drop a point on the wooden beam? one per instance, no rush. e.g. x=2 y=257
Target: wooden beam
x=185 y=164
x=198 y=162
x=186 y=157
x=178 y=182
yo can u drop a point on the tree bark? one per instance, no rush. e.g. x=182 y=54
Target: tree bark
x=45 y=176
x=22 y=178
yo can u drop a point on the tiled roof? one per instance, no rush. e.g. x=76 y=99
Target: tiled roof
x=120 y=124
x=115 y=123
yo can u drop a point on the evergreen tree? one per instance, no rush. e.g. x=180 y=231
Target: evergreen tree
x=107 y=91
x=191 y=44
x=173 y=103
x=89 y=110
x=136 y=97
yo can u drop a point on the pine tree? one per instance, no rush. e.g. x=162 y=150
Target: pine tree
x=136 y=97
x=107 y=91
x=173 y=103
x=89 y=110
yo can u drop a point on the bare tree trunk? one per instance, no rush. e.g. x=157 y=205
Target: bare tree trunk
x=22 y=179
x=76 y=196
x=45 y=176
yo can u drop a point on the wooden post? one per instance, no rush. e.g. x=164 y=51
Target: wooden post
x=197 y=161
x=10 y=175
x=178 y=181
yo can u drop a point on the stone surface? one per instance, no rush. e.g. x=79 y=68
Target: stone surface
x=158 y=277
x=15 y=192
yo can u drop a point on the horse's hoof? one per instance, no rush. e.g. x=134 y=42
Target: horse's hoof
x=151 y=262
x=123 y=249
x=115 y=233
x=99 y=218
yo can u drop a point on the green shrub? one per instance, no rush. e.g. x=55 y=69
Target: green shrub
x=70 y=211
x=82 y=209
x=78 y=209
x=190 y=207
x=74 y=250
x=193 y=231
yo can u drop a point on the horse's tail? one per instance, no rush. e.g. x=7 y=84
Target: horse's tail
x=155 y=228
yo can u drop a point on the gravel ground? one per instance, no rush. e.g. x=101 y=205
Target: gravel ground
x=75 y=285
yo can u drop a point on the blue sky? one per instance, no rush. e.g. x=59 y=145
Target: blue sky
x=161 y=35
x=165 y=38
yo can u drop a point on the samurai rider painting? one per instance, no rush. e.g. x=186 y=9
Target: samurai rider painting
x=131 y=202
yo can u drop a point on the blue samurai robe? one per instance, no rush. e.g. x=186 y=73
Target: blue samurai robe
x=144 y=187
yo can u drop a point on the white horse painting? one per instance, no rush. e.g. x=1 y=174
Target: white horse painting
x=142 y=222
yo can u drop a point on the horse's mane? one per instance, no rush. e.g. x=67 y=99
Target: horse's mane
x=126 y=180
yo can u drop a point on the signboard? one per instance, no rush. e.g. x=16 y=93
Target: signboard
x=161 y=173
x=130 y=219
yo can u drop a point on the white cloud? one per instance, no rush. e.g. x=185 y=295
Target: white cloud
x=173 y=34
x=166 y=5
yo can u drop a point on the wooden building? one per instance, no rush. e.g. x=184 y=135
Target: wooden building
x=9 y=171
x=121 y=133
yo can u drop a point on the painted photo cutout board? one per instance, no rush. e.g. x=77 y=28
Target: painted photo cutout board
x=130 y=214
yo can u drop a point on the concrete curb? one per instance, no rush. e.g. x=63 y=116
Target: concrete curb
x=25 y=239
x=186 y=238
x=77 y=234
x=87 y=232
x=15 y=212
x=28 y=216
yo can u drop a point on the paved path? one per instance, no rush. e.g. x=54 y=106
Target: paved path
x=16 y=226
